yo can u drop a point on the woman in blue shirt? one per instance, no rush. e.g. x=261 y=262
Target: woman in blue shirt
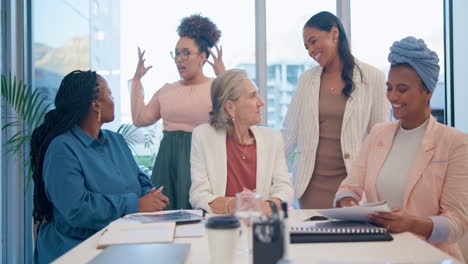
x=84 y=177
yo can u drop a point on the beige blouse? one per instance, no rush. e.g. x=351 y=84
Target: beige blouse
x=181 y=107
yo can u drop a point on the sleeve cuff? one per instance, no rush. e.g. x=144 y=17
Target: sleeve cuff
x=145 y=190
x=440 y=229
x=342 y=194
x=131 y=203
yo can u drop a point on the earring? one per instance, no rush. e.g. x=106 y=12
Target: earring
x=99 y=116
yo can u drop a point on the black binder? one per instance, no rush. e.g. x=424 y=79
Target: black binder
x=338 y=231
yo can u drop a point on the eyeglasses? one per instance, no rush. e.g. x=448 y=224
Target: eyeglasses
x=184 y=55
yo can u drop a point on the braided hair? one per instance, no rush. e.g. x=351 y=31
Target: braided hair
x=201 y=29
x=72 y=104
x=326 y=21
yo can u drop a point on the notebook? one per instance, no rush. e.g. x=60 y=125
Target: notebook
x=143 y=254
x=120 y=233
x=180 y=217
x=337 y=231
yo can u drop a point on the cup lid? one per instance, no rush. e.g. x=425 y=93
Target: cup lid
x=222 y=222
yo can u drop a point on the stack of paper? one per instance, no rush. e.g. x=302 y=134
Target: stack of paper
x=355 y=213
x=121 y=233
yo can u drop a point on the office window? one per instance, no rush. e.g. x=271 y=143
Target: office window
x=152 y=26
x=375 y=25
x=104 y=36
x=61 y=42
x=287 y=58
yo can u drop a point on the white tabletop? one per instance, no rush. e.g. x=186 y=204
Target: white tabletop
x=405 y=248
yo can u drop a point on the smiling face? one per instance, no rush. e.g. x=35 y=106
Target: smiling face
x=321 y=45
x=188 y=58
x=247 y=109
x=408 y=96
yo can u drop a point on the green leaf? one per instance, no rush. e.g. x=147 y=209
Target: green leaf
x=28 y=109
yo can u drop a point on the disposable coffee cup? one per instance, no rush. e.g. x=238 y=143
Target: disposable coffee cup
x=223 y=235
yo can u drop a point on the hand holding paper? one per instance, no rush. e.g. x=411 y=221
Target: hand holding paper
x=355 y=213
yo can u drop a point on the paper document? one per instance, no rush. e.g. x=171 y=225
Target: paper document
x=121 y=233
x=179 y=216
x=190 y=230
x=355 y=213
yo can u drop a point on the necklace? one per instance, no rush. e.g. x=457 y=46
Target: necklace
x=333 y=90
x=243 y=153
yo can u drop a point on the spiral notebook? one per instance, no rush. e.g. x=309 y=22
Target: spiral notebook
x=337 y=231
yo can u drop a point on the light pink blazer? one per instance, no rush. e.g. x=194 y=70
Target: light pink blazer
x=437 y=183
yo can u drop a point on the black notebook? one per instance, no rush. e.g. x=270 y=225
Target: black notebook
x=337 y=231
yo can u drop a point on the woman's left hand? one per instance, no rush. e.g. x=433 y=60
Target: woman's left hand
x=266 y=209
x=399 y=221
x=217 y=64
x=396 y=221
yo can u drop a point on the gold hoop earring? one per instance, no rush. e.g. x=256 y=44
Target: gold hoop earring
x=99 y=116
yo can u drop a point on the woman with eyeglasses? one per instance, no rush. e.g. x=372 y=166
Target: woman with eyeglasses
x=181 y=105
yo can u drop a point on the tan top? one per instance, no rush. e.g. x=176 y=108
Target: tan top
x=329 y=169
x=181 y=107
x=241 y=167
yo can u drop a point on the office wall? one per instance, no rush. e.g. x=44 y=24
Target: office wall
x=1 y=185
x=460 y=66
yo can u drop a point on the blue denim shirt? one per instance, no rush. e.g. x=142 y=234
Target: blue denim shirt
x=90 y=183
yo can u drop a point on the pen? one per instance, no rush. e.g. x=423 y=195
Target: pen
x=103 y=232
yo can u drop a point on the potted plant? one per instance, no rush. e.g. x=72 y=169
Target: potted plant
x=28 y=107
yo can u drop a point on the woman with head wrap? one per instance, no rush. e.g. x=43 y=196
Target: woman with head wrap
x=335 y=106
x=181 y=105
x=419 y=166
x=84 y=177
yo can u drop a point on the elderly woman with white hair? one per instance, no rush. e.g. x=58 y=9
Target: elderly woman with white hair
x=230 y=154
x=419 y=166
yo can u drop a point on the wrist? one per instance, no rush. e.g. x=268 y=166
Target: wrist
x=422 y=226
x=228 y=209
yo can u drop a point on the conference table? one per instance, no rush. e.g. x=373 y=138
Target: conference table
x=404 y=249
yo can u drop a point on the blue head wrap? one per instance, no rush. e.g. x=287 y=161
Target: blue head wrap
x=415 y=52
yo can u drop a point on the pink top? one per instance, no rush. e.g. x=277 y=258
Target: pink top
x=181 y=107
x=241 y=167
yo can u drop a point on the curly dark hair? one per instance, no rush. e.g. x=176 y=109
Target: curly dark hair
x=201 y=29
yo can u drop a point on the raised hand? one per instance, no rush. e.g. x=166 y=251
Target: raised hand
x=217 y=64
x=141 y=69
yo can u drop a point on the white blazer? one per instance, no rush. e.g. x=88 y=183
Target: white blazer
x=209 y=165
x=367 y=106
